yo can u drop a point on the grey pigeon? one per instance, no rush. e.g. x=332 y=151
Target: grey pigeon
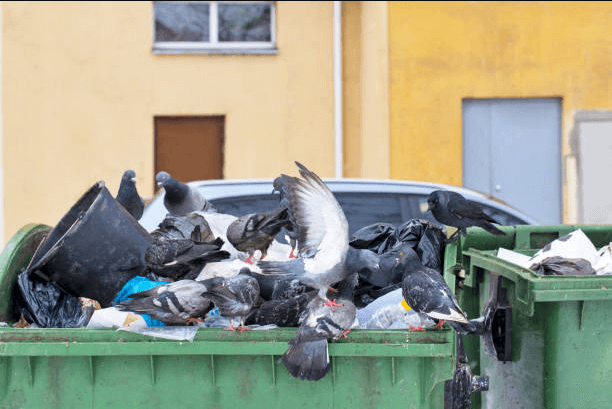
x=256 y=231
x=175 y=303
x=128 y=195
x=452 y=209
x=322 y=235
x=307 y=356
x=233 y=296
x=280 y=186
x=426 y=292
x=188 y=300
x=180 y=198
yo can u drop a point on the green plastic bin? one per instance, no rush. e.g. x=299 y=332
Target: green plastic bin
x=553 y=334
x=106 y=368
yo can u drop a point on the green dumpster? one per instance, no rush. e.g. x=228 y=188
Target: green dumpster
x=106 y=368
x=550 y=339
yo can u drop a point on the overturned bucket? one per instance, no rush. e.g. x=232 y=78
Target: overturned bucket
x=94 y=249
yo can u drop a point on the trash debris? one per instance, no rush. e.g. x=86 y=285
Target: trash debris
x=573 y=254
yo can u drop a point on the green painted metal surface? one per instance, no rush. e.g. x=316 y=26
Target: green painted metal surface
x=106 y=368
x=561 y=326
x=16 y=255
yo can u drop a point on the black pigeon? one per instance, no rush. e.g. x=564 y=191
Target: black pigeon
x=175 y=303
x=277 y=287
x=256 y=231
x=191 y=226
x=307 y=356
x=280 y=186
x=282 y=312
x=181 y=258
x=322 y=235
x=128 y=196
x=426 y=292
x=180 y=198
x=452 y=209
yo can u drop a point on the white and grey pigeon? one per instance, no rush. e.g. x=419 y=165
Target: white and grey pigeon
x=322 y=235
x=128 y=195
x=182 y=301
x=307 y=356
x=175 y=303
x=180 y=198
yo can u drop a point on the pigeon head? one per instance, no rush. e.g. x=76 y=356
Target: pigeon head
x=162 y=178
x=129 y=176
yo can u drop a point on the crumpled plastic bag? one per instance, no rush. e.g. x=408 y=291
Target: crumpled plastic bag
x=377 y=237
x=45 y=304
x=563 y=267
x=136 y=285
x=427 y=239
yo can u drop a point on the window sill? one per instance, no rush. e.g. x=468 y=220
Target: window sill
x=215 y=51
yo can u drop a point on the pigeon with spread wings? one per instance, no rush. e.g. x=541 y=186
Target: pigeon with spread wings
x=322 y=235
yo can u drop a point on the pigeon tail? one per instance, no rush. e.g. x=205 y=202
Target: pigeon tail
x=307 y=360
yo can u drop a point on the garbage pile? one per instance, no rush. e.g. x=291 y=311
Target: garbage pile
x=99 y=268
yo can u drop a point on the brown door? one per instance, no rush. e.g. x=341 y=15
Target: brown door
x=189 y=147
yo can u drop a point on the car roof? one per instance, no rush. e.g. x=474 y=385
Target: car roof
x=228 y=188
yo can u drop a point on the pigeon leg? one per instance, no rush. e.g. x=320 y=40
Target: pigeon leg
x=249 y=258
x=419 y=328
x=440 y=324
x=231 y=327
x=292 y=255
x=192 y=320
x=345 y=335
x=332 y=304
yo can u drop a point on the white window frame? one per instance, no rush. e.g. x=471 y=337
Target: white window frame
x=214 y=46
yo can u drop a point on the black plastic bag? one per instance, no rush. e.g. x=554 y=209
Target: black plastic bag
x=46 y=304
x=563 y=267
x=427 y=239
x=377 y=237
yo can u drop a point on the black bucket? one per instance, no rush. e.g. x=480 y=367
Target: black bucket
x=94 y=249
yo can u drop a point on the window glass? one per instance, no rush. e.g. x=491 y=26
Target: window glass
x=244 y=22
x=181 y=21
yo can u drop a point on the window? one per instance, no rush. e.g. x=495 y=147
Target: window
x=214 y=27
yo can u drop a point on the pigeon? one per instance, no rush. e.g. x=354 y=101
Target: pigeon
x=234 y=297
x=181 y=198
x=307 y=356
x=183 y=227
x=282 y=312
x=176 y=303
x=322 y=235
x=277 y=287
x=184 y=301
x=280 y=186
x=452 y=209
x=256 y=231
x=425 y=291
x=178 y=258
x=128 y=196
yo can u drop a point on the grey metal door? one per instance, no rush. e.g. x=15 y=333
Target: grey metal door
x=512 y=150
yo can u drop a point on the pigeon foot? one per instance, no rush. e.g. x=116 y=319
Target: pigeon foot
x=332 y=304
x=440 y=324
x=414 y=329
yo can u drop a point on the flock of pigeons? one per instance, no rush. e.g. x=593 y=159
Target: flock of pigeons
x=309 y=287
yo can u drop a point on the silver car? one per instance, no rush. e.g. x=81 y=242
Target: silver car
x=365 y=201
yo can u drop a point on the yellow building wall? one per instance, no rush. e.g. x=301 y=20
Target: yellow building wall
x=442 y=52
x=80 y=88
